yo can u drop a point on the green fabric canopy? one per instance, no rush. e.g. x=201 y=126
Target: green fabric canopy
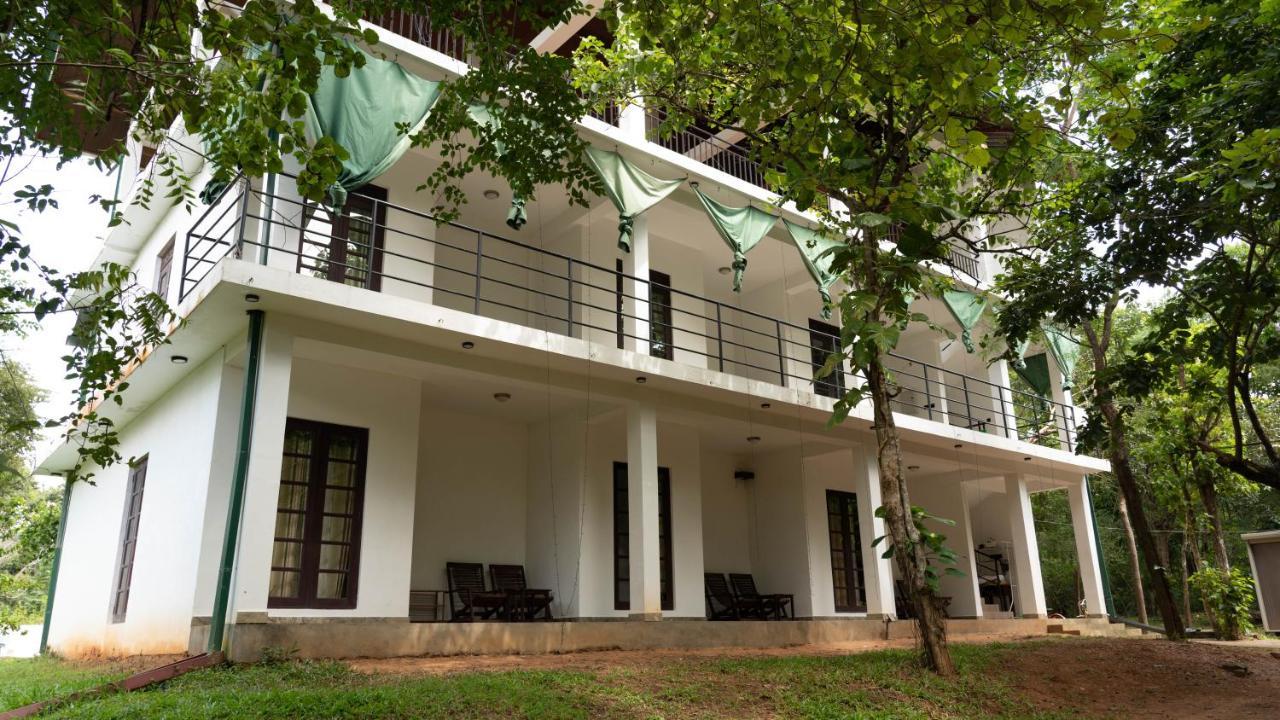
x=967 y=308
x=483 y=115
x=361 y=112
x=631 y=189
x=1035 y=370
x=741 y=229
x=815 y=249
x=1065 y=351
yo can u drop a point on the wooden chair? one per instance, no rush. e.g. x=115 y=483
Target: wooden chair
x=718 y=594
x=468 y=598
x=523 y=602
x=777 y=606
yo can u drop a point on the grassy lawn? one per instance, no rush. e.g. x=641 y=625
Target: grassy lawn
x=880 y=684
x=27 y=681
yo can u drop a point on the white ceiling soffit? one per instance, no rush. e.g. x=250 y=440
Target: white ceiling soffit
x=551 y=39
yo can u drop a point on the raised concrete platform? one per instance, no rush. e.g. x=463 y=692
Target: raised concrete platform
x=378 y=637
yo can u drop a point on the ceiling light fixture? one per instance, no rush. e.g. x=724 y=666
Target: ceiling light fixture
x=502 y=397
x=491 y=194
x=765 y=406
x=251 y=298
x=913 y=467
x=467 y=344
x=1027 y=458
x=725 y=270
x=178 y=359
x=753 y=439
x=642 y=380
x=959 y=445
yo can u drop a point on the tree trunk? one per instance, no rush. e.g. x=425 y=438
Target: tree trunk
x=909 y=553
x=1185 y=577
x=1135 y=566
x=1209 y=497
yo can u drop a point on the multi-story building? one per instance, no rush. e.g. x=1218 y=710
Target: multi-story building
x=619 y=424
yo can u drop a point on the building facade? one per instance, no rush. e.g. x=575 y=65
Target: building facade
x=617 y=423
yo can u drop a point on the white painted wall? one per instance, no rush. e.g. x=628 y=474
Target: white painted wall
x=780 y=562
x=471 y=485
x=176 y=433
x=945 y=498
x=726 y=514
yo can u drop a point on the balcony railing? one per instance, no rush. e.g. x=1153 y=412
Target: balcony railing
x=402 y=251
x=418 y=28
x=707 y=148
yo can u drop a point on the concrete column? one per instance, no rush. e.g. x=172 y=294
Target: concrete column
x=1028 y=591
x=876 y=571
x=1002 y=402
x=1060 y=395
x=1087 y=549
x=636 y=305
x=642 y=511
x=963 y=591
x=262 y=489
x=631 y=120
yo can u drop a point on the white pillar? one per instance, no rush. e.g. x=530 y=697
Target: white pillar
x=965 y=598
x=1028 y=591
x=1002 y=400
x=876 y=570
x=1087 y=549
x=1062 y=395
x=636 y=305
x=642 y=511
x=262 y=488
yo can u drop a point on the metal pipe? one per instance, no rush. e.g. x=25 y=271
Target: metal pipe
x=57 y=562
x=239 y=478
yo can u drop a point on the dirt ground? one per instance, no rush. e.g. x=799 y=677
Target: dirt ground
x=1089 y=677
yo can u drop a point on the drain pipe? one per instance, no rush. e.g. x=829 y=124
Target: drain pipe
x=231 y=537
x=1097 y=548
x=57 y=562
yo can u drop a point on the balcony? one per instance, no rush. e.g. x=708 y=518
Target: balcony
x=398 y=250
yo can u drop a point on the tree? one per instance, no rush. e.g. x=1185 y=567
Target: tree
x=84 y=76
x=918 y=121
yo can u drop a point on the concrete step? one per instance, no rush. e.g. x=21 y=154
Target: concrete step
x=1060 y=629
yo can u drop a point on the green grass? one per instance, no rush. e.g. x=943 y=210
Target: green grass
x=26 y=681
x=882 y=684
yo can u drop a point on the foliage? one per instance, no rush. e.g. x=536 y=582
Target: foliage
x=934 y=544
x=79 y=72
x=1231 y=595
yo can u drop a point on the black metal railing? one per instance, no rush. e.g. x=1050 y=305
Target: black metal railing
x=406 y=252
x=964 y=261
x=707 y=148
x=419 y=29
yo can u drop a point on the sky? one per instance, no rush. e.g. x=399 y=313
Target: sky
x=67 y=238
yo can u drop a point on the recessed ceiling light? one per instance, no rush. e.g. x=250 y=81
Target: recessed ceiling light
x=251 y=298
x=178 y=359
x=959 y=445
x=725 y=270
x=467 y=344
x=491 y=194
x=502 y=397
x=765 y=406
x=913 y=467
x=1027 y=457
x=642 y=379
x=753 y=439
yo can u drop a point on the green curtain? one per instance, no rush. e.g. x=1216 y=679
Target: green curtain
x=1035 y=370
x=967 y=308
x=361 y=112
x=741 y=228
x=815 y=249
x=516 y=216
x=631 y=189
x=1065 y=351
x=1019 y=362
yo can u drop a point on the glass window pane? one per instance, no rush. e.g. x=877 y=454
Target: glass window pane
x=297 y=441
x=285 y=583
x=331 y=586
x=342 y=446
x=342 y=474
x=290 y=525
x=335 y=557
x=339 y=501
x=335 y=529
x=292 y=497
x=286 y=554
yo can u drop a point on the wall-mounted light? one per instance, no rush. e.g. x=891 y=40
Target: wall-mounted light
x=467 y=344
x=502 y=397
x=491 y=194
x=251 y=298
x=178 y=359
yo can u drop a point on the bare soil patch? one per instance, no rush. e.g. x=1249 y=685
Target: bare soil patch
x=1148 y=679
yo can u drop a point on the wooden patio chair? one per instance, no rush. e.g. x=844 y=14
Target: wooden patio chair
x=778 y=606
x=468 y=598
x=523 y=602
x=718 y=594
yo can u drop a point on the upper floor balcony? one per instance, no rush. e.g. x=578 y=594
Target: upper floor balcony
x=564 y=275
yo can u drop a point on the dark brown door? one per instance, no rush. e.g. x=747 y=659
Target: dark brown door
x=315 y=561
x=661 y=329
x=846 y=552
x=128 y=539
x=346 y=246
x=824 y=341
x=622 y=539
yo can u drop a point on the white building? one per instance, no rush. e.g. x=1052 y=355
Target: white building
x=618 y=424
